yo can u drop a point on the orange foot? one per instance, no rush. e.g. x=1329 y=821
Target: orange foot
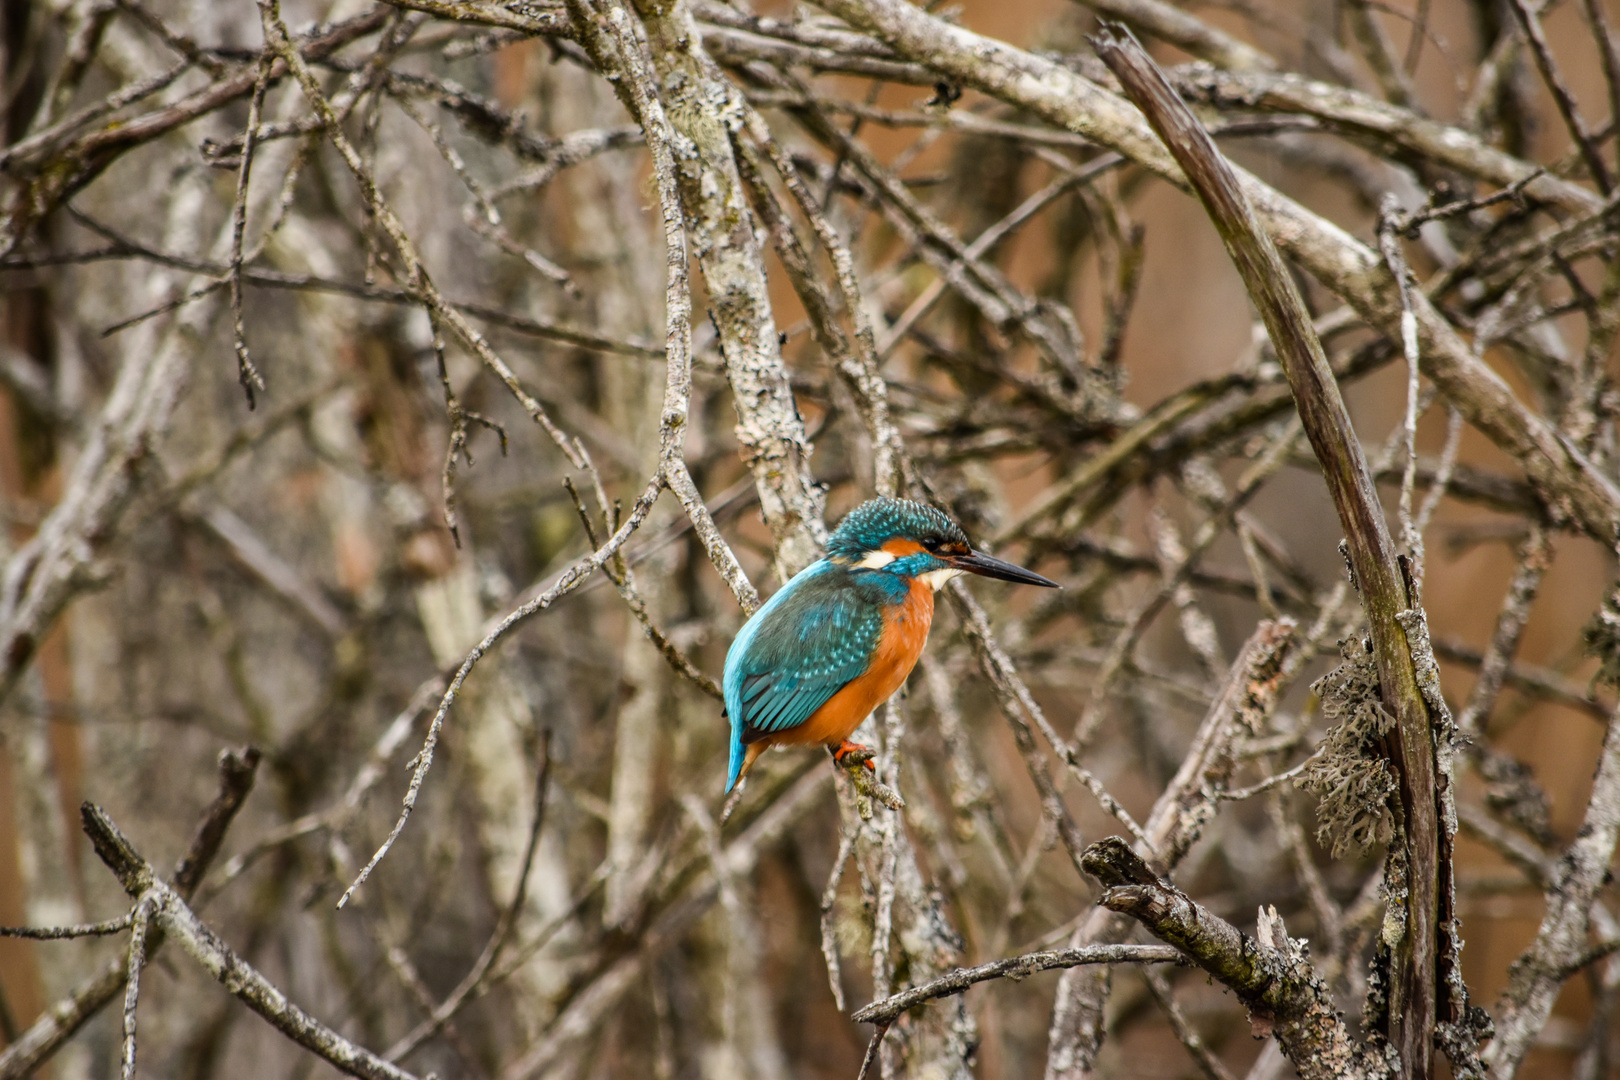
x=848 y=753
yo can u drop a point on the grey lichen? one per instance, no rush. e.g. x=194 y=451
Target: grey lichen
x=1511 y=791
x=1603 y=640
x=1375 y=1007
x=1351 y=779
x=1426 y=667
x=1462 y=1038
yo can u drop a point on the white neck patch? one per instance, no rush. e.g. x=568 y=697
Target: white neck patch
x=876 y=560
x=937 y=578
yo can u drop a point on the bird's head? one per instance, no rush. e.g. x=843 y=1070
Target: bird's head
x=916 y=541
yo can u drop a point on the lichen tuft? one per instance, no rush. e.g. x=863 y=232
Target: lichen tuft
x=1351 y=779
x=1603 y=640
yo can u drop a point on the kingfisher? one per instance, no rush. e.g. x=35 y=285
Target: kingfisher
x=840 y=638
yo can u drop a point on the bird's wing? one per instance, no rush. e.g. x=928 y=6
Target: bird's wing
x=804 y=650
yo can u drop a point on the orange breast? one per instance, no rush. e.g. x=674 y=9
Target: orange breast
x=905 y=632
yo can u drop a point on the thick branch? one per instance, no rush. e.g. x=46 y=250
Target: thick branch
x=1272 y=976
x=1374 y=121
x=1372 y=550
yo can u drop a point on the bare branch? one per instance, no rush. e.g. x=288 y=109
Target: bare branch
x=1538 y=976
x=1531 y=22
x=62 y=933
x=1285 y=996
x=884 y=1012
x=1345 y=266
x=64 y=1018
x=169 y=910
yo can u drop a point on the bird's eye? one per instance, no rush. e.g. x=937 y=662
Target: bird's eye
x=931 y=543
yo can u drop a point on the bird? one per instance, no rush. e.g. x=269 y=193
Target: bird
x=843 y=634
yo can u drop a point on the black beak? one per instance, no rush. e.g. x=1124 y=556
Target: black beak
x=977 y=562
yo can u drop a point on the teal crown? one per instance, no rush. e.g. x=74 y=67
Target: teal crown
x=873 y=523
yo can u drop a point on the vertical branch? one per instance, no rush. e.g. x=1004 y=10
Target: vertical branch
x=704 y=112
x=1608 y=53
x=614 y=47
x=132 y=986
x=829 y=928
x=1389 y=247
x=247 y=374
x=857 y=362
x=1379 y=52
x=1327 y=424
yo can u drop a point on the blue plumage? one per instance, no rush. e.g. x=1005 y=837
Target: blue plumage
x=802 y=647
x=821 y=632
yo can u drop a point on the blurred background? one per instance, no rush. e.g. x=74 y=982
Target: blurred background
x=282 y=576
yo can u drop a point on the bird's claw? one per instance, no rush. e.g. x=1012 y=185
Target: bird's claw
x=848 y=754
x=850 y=757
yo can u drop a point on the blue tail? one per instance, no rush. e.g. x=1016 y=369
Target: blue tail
x=737 y=753
x=736 y=666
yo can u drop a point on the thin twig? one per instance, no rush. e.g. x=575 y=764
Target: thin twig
x=61 y=933
x=140 y=922
x=1530 y=21
x=170 y=911
x=246 y=372
x=1016 y=968
x=1287 y=776
x=872 y=1050
x=829 y=930
x=566 y=583
x=1210 y=1065
x=501 y=936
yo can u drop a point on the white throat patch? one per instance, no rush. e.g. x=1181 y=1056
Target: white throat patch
x=937 y=578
